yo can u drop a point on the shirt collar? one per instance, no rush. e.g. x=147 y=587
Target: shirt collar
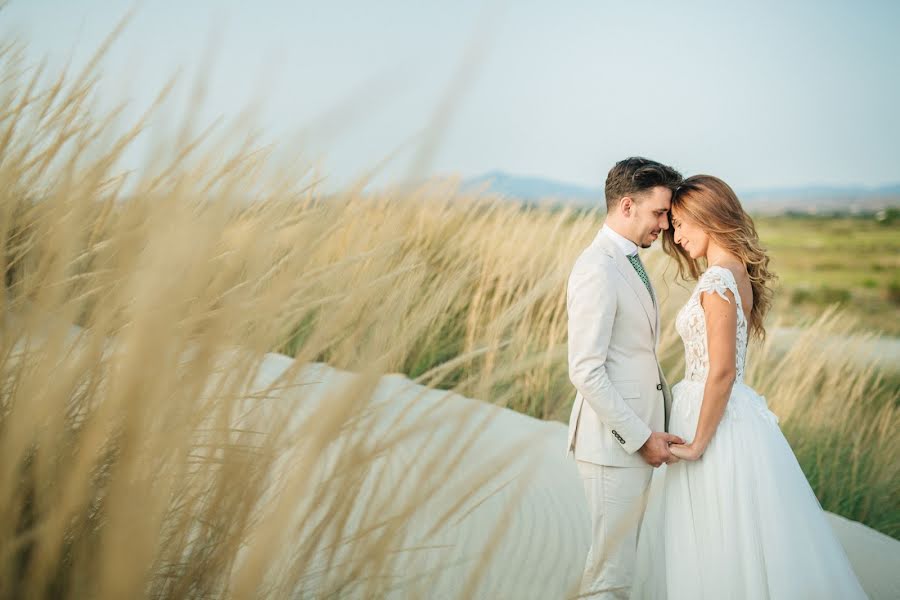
x=628 y=247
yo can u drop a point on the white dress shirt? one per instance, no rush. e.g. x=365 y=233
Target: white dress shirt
x=628 y=247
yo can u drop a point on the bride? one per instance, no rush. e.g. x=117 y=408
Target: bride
x=739 y=518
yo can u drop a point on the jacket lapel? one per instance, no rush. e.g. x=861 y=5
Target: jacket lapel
x=632 y=278
x=655 y=310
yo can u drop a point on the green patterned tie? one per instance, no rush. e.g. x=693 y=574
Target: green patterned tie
x=635 y=261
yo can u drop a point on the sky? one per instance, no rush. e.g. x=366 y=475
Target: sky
x=765 y=94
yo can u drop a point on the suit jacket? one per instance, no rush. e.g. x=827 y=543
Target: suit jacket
x=622 y=394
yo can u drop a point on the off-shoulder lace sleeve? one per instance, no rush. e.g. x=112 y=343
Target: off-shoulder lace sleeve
x=719 y=280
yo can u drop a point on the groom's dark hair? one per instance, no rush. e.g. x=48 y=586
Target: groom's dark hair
x=635 y=175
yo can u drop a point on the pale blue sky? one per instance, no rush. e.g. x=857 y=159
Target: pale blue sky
x=765 y=94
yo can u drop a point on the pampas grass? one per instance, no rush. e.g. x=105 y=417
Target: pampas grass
x=142 y=455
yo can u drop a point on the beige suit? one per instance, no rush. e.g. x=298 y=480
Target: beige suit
x=621 y=397
x=613 y=331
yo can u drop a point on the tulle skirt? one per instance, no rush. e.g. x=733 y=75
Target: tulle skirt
x=741 y=522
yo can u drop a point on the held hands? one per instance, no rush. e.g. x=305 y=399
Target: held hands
x=656 y=450
x=690 y=451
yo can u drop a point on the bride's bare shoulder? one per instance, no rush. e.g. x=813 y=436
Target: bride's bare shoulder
x=738 y=271
x=742 y=279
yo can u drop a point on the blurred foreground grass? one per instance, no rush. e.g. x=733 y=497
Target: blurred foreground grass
x=129 y=466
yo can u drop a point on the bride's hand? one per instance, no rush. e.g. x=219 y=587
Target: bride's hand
x=686 y=451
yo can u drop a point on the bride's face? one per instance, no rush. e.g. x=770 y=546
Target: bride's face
x=689 y=235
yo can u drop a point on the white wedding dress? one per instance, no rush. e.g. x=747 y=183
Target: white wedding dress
x=741 y=522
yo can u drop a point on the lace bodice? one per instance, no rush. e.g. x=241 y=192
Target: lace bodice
x=691 y=325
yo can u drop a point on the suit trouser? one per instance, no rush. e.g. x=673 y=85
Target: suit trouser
x=617 y=497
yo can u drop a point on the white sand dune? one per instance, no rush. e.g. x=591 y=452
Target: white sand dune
x=518 y=525
x=526 y=529
x=880 y=351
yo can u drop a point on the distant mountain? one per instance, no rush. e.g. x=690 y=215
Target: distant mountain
x=803 y=199
x=824 y=192
x=821 y=199
x=533 y=188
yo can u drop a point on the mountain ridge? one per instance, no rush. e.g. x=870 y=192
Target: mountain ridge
x=808 y=198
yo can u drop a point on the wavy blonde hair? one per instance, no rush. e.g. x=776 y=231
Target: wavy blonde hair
x=712 y=204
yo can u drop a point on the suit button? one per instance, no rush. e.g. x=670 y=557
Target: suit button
x=659 y=386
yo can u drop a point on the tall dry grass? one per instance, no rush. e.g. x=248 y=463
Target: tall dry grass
x=138 y=447
x=142 y=454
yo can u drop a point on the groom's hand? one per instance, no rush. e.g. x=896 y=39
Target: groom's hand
x=655 y=450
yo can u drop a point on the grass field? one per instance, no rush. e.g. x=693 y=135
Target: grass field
x=851 y=261
x=124 y=473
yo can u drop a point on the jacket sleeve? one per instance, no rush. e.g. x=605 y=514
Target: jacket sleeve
x=591 y=305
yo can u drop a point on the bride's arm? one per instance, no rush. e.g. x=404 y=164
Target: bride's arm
x=721 y=343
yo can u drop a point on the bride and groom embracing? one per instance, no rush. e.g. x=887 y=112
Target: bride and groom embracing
x=736 y=517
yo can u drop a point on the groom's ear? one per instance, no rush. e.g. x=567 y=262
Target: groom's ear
x=626 y=204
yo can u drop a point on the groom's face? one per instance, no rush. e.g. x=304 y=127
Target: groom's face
x=648 y=215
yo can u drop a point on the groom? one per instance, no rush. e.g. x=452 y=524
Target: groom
x=618 y=421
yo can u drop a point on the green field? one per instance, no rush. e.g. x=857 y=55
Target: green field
x=850 y=261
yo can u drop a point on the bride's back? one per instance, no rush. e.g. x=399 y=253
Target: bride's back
x=745 y=288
